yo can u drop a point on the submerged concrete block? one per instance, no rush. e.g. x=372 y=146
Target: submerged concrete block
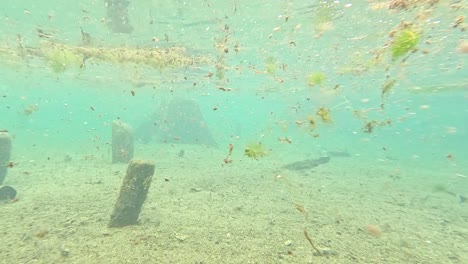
x=122 y=142
x=5 y=154
x=179 y=121
x=132 y=194
x=117 y=16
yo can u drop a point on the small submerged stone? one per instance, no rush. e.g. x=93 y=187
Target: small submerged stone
x=7 y=193
x=462 y=199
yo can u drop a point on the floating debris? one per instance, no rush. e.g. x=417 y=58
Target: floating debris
x=30 y=109
x=316 y=78
x=271 y=65
x=404 y=41
x=387 y=87
x=370 y=125
x=325 y=115
x=61 y=57
x=255 y=150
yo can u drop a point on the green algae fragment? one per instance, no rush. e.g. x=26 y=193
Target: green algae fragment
x=62 y=59
x=316 y=78
x=405 y=41
x=270 y=65
x=255 y=150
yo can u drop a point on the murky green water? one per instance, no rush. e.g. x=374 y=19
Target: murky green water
x=380 y=84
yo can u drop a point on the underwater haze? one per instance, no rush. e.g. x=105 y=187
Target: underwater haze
x=285 y=131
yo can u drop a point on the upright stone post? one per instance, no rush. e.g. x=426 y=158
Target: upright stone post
x=5 y=153
x=122 y=142
x=132 y=194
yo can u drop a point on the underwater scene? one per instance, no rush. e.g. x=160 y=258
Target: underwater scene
x=209 y=131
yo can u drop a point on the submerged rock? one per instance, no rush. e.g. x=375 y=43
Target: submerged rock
x=462 y=199
x=7 y=193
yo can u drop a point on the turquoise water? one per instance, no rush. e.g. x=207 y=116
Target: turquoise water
x=395 y=129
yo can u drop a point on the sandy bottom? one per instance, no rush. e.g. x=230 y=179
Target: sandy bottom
x=202 y=211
